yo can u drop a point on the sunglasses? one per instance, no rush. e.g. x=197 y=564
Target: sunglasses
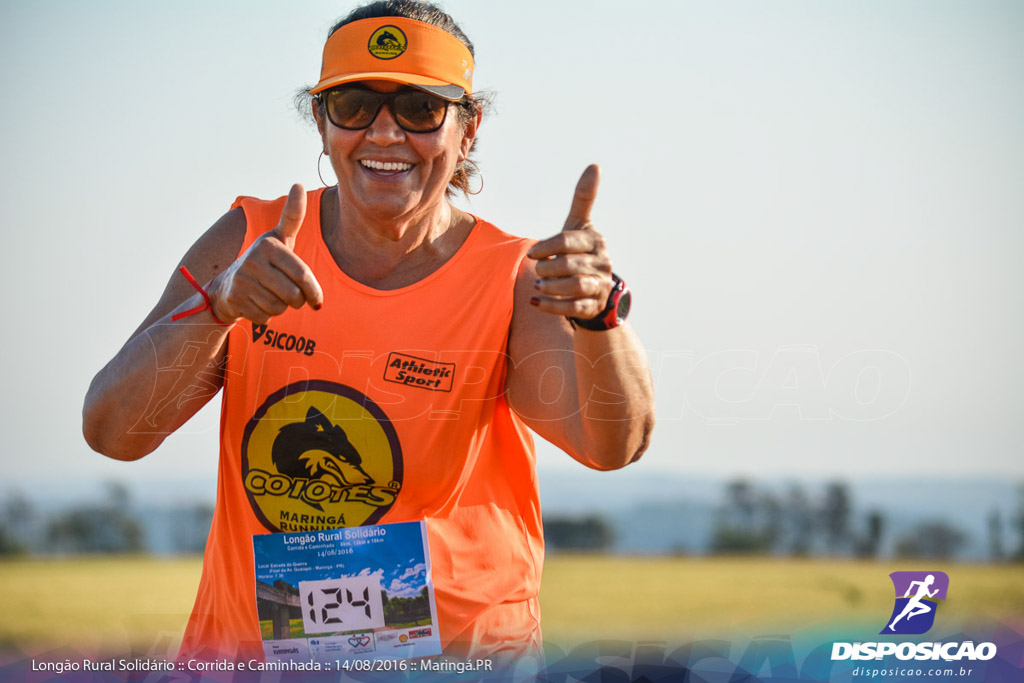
x=355 y=108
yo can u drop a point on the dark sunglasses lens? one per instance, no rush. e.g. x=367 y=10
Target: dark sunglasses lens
x=353 y=108
x=419 y=112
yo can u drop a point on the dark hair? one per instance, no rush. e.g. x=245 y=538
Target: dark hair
x=468 y=107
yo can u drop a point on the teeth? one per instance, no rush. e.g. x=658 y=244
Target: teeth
x=385 y=165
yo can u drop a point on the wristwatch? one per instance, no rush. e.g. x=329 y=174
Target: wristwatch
x=614 y=313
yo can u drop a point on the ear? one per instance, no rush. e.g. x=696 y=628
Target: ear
x=469 y=135
x=318 y=419
x=321 y=122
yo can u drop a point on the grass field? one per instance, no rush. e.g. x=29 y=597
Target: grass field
x=130 y=604
x=681 y=600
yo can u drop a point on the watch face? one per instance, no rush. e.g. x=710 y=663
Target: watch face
x=622 y=309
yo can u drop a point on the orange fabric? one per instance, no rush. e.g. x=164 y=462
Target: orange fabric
x=398 y=49
x=384 y=406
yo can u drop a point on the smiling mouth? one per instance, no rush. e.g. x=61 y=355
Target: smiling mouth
x=386 y=166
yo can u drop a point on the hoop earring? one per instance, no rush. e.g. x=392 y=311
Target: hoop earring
x=318 y=160
x=479 y=175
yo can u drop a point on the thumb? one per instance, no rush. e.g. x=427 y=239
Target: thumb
x=292 y=215
x=583 y=198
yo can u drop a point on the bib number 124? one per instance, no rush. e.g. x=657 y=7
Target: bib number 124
x=341 y=605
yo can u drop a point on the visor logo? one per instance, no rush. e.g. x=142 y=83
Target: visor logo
x=319 y=455
x=387 y=42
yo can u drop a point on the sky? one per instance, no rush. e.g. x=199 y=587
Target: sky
x=817 y=205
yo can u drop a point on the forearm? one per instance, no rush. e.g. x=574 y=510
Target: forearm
x=154 y=384
x=616 y=397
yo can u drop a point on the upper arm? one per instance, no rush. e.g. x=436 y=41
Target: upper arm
x=214 y=251
x=122 y=392
x=541 y=381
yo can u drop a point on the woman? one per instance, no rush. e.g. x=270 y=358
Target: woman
x=382 y=353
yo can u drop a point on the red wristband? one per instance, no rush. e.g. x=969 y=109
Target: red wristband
x=198 y=309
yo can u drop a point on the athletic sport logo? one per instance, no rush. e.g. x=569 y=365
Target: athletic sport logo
x=320 y=455
x=387 y=42
x=917 y=599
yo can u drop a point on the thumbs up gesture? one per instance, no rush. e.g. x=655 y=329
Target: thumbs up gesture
x=268 y=277
x=573 y=269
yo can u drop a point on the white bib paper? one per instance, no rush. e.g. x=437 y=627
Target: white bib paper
x=346 y=594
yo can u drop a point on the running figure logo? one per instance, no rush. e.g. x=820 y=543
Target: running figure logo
x=914 y=612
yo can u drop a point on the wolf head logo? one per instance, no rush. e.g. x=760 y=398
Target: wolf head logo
x=317 y=449
x=314 y=455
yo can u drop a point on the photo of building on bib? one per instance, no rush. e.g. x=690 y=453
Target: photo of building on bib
x=341 y=594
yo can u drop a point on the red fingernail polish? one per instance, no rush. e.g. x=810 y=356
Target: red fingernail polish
x=534 y=301
x=317 y=307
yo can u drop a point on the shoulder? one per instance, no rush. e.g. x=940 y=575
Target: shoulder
x=512 y=249
x=218 y=246
x=256 y=205
x=502 y=246
x=214 y=251
x=493 y=234
x=259 y=211
x=261 y=215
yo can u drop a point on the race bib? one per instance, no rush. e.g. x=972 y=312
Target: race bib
x=346 y=594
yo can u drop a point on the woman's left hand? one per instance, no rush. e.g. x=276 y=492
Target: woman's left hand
x=574 y=271
x=599 y=406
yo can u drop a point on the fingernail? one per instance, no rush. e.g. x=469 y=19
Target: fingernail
x=536 y=283
x=317 y=307
x=534 y=301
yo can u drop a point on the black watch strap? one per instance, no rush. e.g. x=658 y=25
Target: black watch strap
x=615 y=310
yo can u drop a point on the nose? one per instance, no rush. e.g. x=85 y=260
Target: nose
x=384 y=130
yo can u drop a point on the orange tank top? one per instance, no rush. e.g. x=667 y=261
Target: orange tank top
x=383 y=406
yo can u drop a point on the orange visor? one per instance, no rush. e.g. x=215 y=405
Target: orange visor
x=401 y=50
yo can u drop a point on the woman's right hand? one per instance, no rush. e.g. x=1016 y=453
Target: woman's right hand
x=268 y=278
